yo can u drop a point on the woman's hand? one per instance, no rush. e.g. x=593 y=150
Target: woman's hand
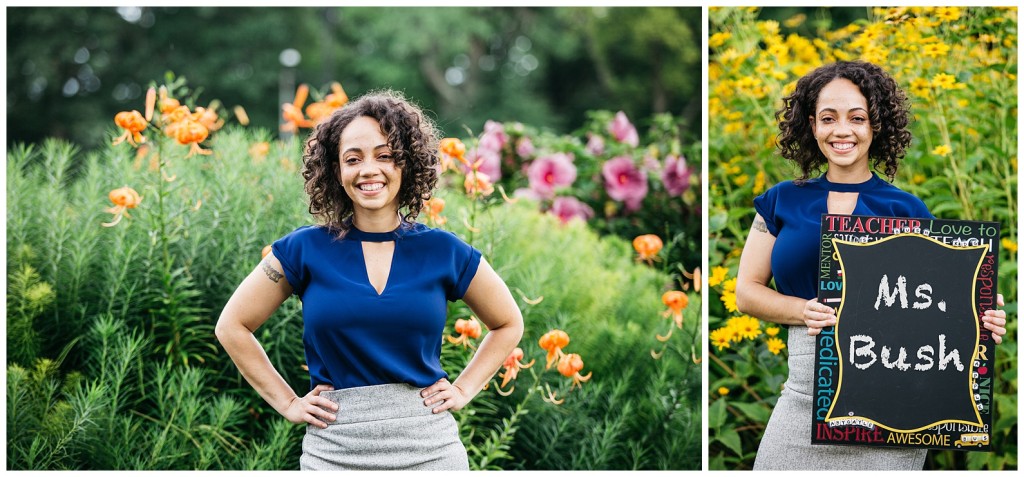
x=453 y=396
x=818 y=316
x=311 y=408
x=995 y=321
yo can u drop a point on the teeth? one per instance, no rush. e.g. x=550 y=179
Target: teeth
x=371 y=187
x=842 y=145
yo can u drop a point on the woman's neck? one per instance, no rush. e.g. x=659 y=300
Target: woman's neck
x=376 y=221
x=841 y=175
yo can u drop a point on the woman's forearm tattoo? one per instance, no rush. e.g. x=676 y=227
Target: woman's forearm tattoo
x=759 y=225
x=273 y=275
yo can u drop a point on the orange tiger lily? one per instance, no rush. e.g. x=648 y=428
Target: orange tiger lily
x=292 y=112
x=123 y=198
x=513 y=363
x=434 y=206
x=553 y=341
x=467 y=330
x=478 y=183
x=647 y=246
x=452 y=149
x=190 y=132
x=570 y=367
x=133 y=124
x=675 y=301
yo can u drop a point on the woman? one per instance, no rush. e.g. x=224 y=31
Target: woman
x=847 y=117
x=374 y=287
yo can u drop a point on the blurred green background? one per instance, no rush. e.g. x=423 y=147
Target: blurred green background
x=70 y=69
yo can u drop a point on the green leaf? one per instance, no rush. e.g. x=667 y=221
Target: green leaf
x=716 y=222
x=731 y=439
x=757 y=412
x=716 y=414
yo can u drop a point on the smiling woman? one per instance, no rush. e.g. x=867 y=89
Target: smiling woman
x=845 y=117
x=377 y=400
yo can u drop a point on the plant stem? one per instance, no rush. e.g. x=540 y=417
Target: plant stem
x=732 y=373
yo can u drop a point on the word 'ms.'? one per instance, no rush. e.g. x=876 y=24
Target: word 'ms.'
x=922 y=293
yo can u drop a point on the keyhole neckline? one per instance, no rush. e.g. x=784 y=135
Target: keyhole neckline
x=403 y=229
x=871 y=183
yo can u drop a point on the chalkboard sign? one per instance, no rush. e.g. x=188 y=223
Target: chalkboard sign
x=908 y=363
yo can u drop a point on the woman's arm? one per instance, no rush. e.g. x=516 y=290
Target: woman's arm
x=490 y=300
x=754 y=297
x=253 y=302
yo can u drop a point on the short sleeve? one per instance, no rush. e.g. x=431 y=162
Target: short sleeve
x=289 y=251
x=919 y=210
x=465 y=262
x=765 y=204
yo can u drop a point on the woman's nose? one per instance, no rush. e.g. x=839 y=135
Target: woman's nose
x=369 y=169
x=842 y=128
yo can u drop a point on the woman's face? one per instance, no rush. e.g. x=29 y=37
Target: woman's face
x=367 y=168
x=841 y=125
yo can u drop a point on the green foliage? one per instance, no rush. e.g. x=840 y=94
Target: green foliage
x=647 y=416
x=27 y=298
x=146 y=386
x=57 y=411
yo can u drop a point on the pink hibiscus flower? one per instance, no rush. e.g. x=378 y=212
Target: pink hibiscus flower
x=623 y=130
x=625 y=182
x=528 y=194
x=548 y=173
x=490 y=162
x=524 y=147
x=595 y=144
x=568 y=208
x=675 y=175
x=494 y=137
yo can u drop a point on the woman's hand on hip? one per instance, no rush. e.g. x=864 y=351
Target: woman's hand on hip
x=995 y=320
x=312 y=408
x=818 y=316
x=453 y=397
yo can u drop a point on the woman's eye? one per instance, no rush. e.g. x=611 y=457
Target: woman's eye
x=827 y=120
x=384 y=157
x=351 y=160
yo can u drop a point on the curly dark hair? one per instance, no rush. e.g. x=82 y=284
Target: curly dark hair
x=888 y=112
x=412 y=137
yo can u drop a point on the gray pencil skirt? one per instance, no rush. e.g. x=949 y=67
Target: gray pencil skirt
x=383 y=427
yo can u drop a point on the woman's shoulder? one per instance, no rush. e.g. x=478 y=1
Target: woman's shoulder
x=307 y=232
x=435 y=236
x=304 y=235
x=790 y=189
x=892 y=193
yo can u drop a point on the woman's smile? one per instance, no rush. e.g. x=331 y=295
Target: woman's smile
x=370 y=188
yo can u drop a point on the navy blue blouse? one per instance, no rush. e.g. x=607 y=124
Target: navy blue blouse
x=792 y=214
x=353 y=336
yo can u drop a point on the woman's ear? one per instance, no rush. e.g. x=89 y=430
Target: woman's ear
x=810 y=119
